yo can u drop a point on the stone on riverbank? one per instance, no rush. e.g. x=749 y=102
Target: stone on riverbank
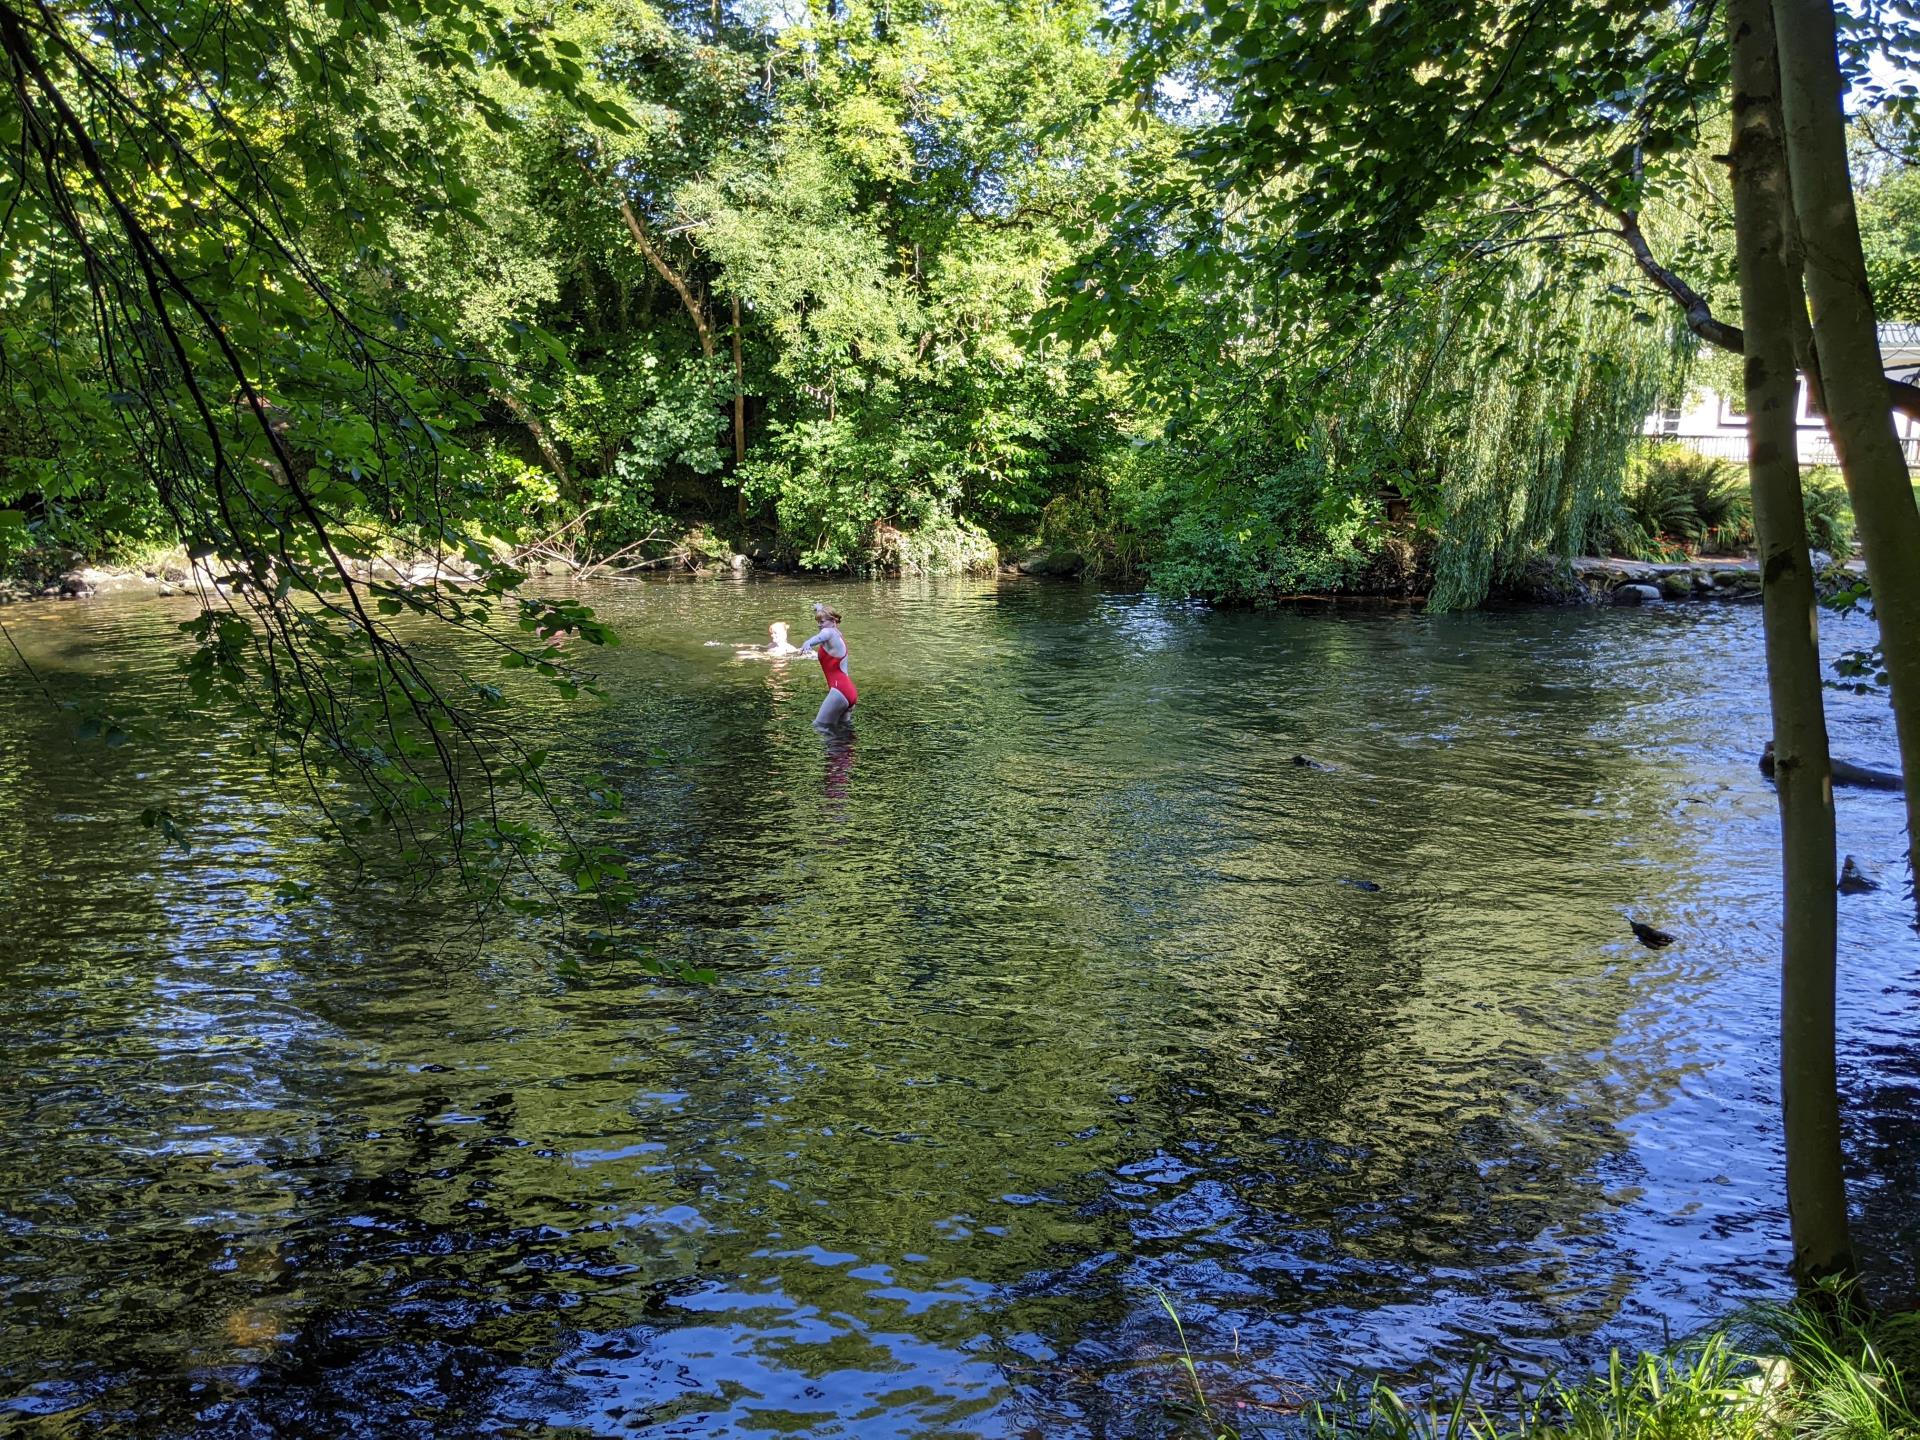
x=1063 y=564
x=1705 y=578
x=92 y=580
x=1634 y=594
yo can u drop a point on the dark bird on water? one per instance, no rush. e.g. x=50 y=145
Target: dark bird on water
x=1854 y=880
x=1648 y=936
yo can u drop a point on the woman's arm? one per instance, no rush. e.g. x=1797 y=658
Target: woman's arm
x=812 y=640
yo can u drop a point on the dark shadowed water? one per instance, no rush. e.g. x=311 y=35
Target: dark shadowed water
x=1051 y=989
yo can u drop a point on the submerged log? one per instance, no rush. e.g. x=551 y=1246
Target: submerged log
x=1860 y=777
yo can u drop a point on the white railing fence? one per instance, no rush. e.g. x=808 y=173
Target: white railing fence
x=1816 y=447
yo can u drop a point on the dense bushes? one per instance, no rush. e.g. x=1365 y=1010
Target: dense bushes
x=1674 y=500
x=1248 y=526
x=799 y=304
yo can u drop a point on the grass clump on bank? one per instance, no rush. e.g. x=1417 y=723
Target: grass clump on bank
x=1782 y=1371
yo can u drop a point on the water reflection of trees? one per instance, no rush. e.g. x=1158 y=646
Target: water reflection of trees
x=1885 y=1090
x=1063 y=995
x=1360 y=1046
x=1386 y=1092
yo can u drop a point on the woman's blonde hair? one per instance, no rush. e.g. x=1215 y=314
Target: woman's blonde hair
x=826 y=612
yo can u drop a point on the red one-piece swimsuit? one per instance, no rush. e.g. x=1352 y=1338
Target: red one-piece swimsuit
x=838 y=679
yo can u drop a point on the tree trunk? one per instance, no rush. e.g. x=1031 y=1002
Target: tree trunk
x=739 y=407
x=638 y=229
x=1847 y=343
x=697 y=311
x=1816 y=1187
x=536 y=428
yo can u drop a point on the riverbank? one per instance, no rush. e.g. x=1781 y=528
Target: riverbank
x=1615 y=580
x=1581 y=580
x=954 y=550
x=1779 y=1371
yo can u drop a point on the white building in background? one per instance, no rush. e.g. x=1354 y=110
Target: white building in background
x=1716 y=424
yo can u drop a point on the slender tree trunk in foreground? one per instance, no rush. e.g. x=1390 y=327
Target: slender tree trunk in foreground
x=1816 y=1188
x=1847 y=342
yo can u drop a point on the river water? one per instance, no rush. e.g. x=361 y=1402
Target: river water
x=1054 y=987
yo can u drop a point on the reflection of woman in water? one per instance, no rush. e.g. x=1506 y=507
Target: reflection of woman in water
x=839 y=771
x=832 y=649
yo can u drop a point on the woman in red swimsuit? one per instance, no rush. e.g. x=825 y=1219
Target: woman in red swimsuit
x=832 y=649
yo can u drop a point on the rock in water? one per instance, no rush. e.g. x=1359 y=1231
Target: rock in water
x=1063 y=563
x=1854 y=880
x=1634 y=594
x=1366 y=885
x=1648 y=936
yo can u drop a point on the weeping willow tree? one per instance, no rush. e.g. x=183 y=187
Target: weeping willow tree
x=1494 y=382
x=1508 y=402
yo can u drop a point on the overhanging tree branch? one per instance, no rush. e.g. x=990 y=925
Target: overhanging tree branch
x=1698 y=311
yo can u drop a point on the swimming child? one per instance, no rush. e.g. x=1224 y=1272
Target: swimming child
x=831 y=646
x=778 y=646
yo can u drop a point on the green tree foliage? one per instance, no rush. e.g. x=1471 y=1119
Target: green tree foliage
x=1885 y=158
x=1258 y=300
x=205 y=331
x=872 y=203
x=1420 y=236
x=696 y=267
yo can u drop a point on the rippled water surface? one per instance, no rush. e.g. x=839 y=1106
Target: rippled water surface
x=1053 y=987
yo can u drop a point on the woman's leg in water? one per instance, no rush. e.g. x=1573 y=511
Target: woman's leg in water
x=833 y=711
